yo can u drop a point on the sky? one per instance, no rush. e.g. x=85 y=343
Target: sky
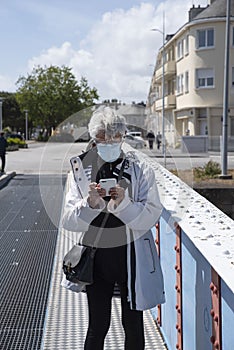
x=108 y=42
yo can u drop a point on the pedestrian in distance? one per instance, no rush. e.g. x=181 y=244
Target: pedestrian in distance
x=3 y=147
x=151 y=138
x=158 y=140
x=126 y=255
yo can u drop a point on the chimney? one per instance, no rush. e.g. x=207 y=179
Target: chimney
x=194 y=11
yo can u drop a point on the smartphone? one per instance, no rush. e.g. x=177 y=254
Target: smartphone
x=107 y=184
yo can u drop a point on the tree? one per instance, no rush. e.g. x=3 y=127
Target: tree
x=52 y=94
x=13 y=117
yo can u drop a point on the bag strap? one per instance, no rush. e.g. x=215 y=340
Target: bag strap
x=121 y=170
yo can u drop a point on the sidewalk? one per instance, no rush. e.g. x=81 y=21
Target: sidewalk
x=174 y=153
x=177 y=153
x=5 y=178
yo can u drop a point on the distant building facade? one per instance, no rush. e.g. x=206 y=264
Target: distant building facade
x=194 y=78
x=134 y=113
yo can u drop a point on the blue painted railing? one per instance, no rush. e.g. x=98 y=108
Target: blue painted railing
x=196 y=245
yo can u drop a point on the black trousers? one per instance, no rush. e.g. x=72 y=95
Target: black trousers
x=99 y=301
x=151 y=144
x=3 y=159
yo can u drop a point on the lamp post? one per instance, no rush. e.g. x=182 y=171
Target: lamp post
x=26 y=124
x=163 y=89
x=1 y=102
x=224 y=147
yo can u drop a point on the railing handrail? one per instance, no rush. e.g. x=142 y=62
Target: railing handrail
x=210 y=230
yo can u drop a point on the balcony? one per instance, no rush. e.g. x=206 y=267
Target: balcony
x=169 y=70
x=169 y=102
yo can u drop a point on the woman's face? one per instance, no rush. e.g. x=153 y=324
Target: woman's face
x=108 y=148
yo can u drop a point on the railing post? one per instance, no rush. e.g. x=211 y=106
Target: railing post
x=216 y=313
x=157 y=242
x=178 y=287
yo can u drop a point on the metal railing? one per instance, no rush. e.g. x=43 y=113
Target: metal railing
x=196 y=244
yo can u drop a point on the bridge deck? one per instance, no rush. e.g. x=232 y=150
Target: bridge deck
x=67 y=315
x=35 y=311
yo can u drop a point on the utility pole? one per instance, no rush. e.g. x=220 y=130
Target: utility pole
x=1 y=102
x=224 y=146
x=163 y=89
x=26 y=125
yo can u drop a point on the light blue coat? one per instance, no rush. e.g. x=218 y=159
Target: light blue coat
x=139 y=213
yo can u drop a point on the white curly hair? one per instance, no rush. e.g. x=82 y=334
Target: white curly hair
x=106 y=119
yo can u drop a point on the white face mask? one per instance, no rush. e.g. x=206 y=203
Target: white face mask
x=109 y=152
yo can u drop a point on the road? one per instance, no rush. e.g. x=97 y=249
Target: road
x=53 y=158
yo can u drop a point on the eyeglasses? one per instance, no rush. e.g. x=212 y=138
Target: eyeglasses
x=108 y=141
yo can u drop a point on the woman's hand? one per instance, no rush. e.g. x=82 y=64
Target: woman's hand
x=117 y=194
x=95 y=195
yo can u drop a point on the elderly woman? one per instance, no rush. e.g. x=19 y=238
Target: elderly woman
x=126 y=255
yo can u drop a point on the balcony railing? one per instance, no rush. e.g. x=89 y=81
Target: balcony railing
x=169 y=70
x=169 y=102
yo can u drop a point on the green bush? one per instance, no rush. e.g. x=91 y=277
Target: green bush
x=12 y=141
x=208 y=171
x=16 y=141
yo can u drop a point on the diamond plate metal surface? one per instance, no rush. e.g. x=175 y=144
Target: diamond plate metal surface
x=67 y=314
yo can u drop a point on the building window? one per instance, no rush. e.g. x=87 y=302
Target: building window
x=232 y=77
x=205 y=38
x=180 y=49
x=204 y=78
x=186 y=44
x=232 y=127
x=186 y=82
x=157 y=92
x=232 y=36
x=180 y=84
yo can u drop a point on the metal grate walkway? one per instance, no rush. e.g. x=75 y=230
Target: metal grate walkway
x=36 y=313
x=27 y=245
x=67 y=314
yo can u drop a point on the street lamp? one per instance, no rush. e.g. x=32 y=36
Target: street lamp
x=163 y=88
x=1 y=102
x=224 y=147
x=26 y=124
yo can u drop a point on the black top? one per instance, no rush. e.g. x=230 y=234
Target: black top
x=114 y=232
x=111 y=255
x=3 y=145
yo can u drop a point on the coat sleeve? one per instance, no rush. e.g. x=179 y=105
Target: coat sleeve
x=77 y=214
x=143 y=213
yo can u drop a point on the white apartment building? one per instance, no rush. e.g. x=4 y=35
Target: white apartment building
x=194 y=78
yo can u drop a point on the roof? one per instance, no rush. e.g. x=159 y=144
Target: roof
x=216 y=9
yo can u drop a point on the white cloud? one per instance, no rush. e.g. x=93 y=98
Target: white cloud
x=7 y=84
x=116 y=54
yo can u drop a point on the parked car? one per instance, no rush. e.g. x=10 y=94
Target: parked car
x=135 y=142
x=136 y=134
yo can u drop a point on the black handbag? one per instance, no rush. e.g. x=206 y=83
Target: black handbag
x=78 y=264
